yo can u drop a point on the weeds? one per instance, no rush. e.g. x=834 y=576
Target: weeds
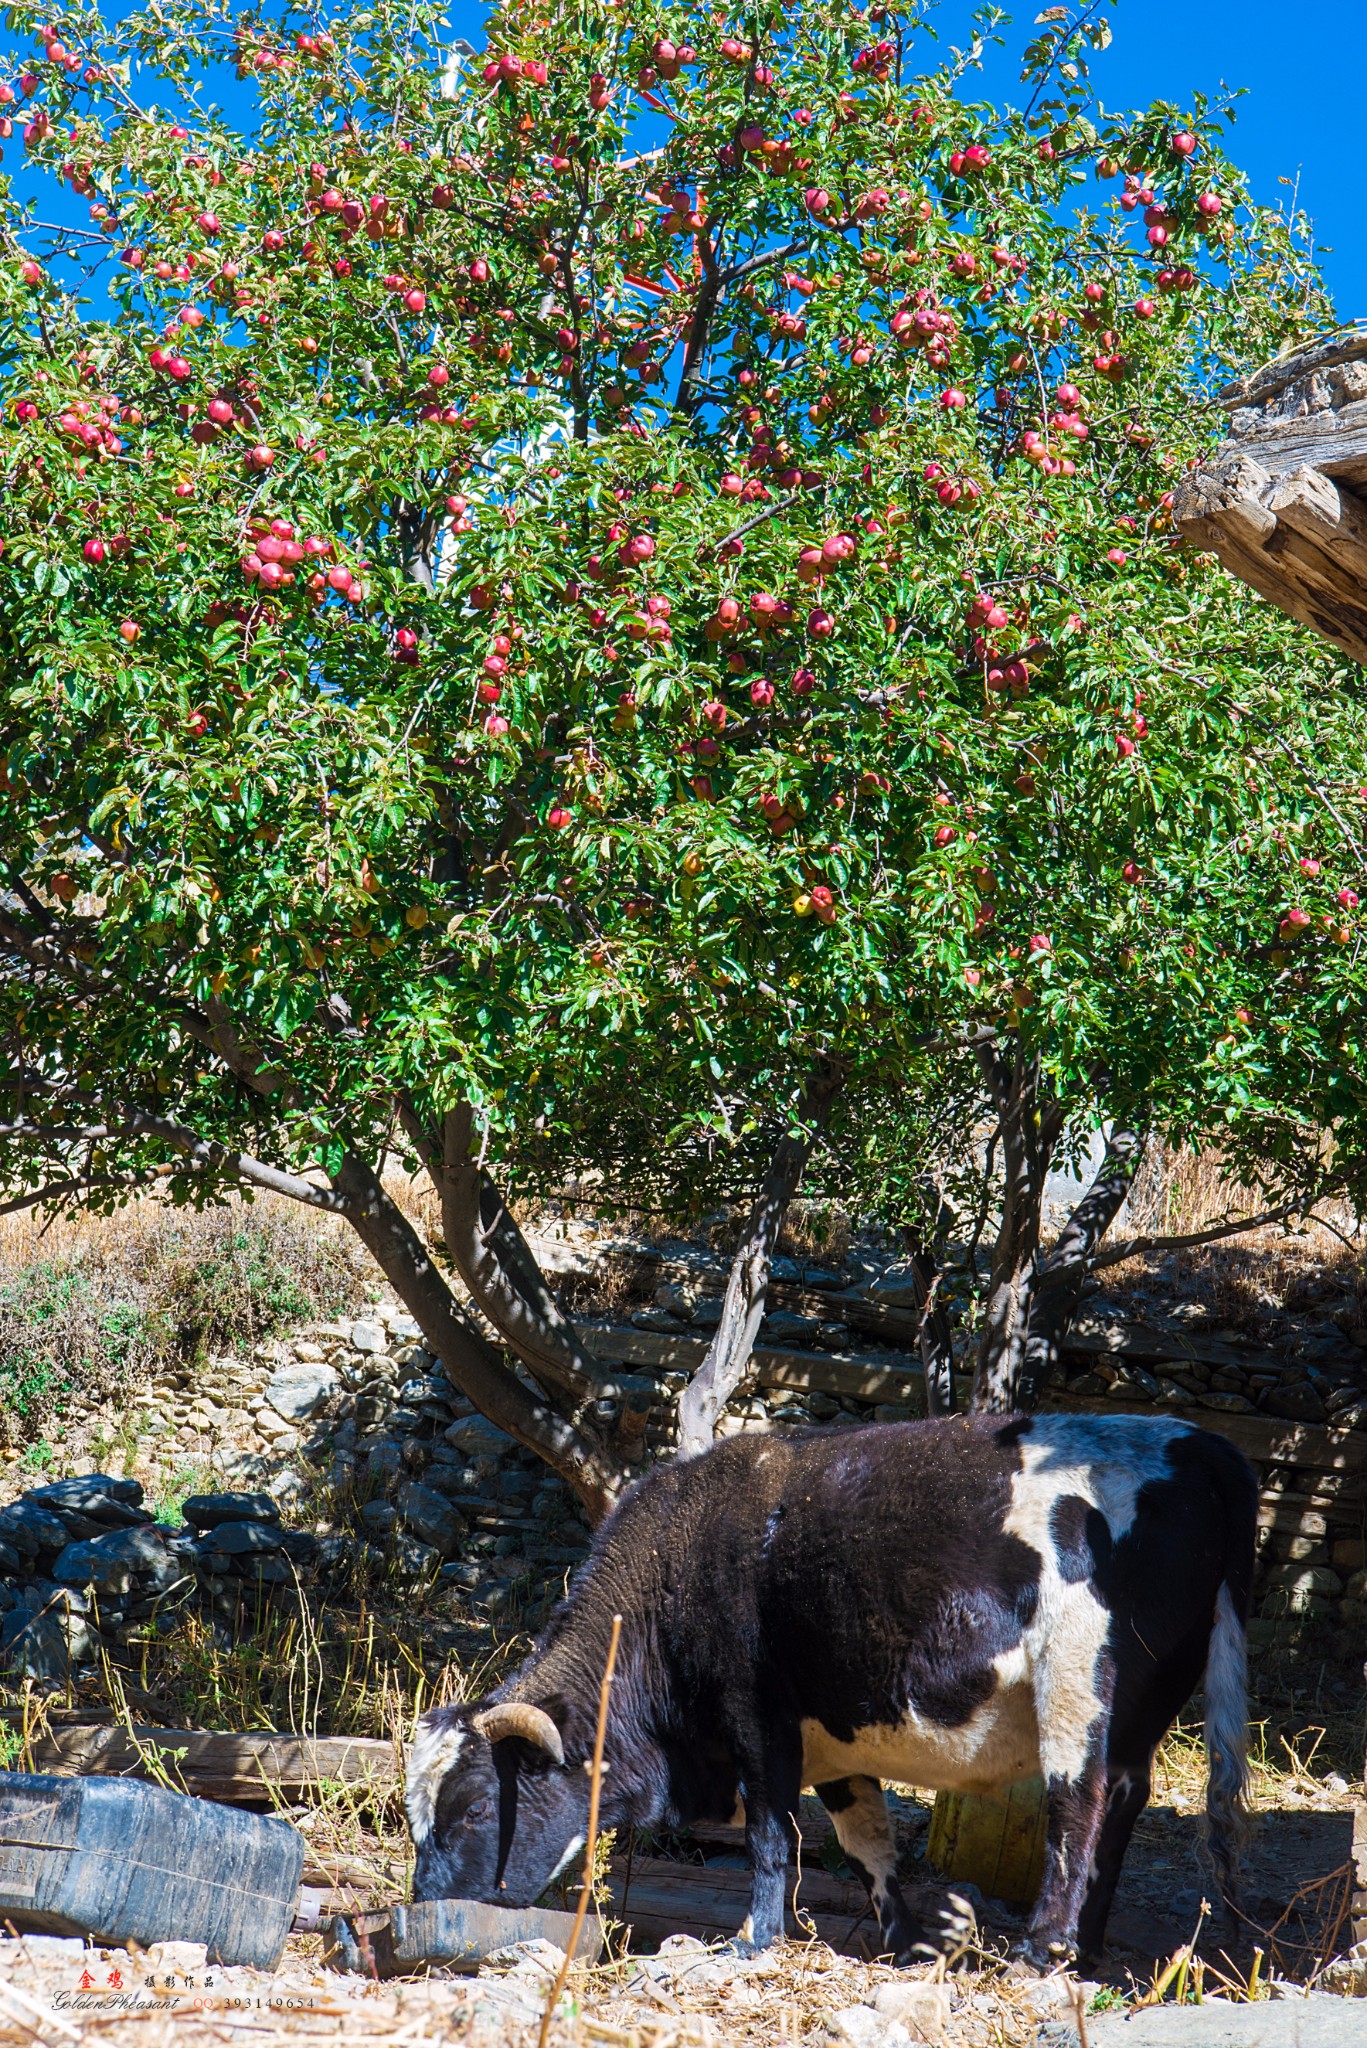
x=88 y=1305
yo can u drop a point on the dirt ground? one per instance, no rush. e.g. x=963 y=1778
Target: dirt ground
x=1298 y=1884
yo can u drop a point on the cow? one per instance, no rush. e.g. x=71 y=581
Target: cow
x=962 y=1602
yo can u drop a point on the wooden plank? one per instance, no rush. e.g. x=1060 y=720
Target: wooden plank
x=710 y=1901
x=1332 y=441
x=855 y=1377
x=234 y=1768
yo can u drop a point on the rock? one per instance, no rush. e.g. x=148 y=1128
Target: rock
x=10 y=1562
x=384 y=1461
x=380 y=1517
x=921 y=2004
x=207 y=1510
x=479 y=1439
x=1307 y=1580
x=658 y=1319
x=899 y=1287
x=1227 y=1404
x=33 y=1530
x=241 y=1539
x=368 y=1336
x=46 y=1645
x=111 y=1562
x=706 y=1315
x=1302 y=2020
x=415 y=1559
x=783 y=1328
x=859 y=2026
x=426 y=1388
x=116 y=1503
x=429 y=1516
x=1297 y=1402
x=298 y=1392
x=676 y=1300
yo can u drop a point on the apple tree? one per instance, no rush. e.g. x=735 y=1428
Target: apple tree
x=604 y=614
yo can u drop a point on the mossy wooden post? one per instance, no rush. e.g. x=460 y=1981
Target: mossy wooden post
x=994 y=1840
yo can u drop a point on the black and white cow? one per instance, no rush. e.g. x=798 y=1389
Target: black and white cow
x=962 y=1603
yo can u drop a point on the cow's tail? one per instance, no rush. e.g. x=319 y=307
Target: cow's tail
x=1227 y=1678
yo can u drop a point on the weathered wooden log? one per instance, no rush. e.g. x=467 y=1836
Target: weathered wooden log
x=1297 y=537
x=1277 y=503
x=237 y=1770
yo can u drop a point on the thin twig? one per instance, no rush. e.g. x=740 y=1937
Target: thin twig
x=591 y=1842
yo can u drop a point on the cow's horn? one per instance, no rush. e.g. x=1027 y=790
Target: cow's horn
x=516 y=1717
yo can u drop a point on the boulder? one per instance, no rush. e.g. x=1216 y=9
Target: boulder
x=298 y=1392
x=1296 y=1403
x=785 y=1328
x=45 y=1645
x=240 y=1539
x=415 y=1559
x=368 y=1335
x=207 y=1510
x=112 y=1503
x=480 y=1439
x=429 y=1516
x=110 y=1563
x=33 y=1530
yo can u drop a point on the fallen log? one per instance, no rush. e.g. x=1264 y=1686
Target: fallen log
x=235 y=1769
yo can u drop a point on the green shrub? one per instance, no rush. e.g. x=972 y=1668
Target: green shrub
x=150 y=1287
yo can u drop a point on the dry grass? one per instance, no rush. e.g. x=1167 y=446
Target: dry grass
x=89 y=1304
x=1256 y=1284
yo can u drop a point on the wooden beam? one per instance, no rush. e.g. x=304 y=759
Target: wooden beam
x=851 y=1376
x=1275 y=377
x=240 y=1770
x=1296 y=538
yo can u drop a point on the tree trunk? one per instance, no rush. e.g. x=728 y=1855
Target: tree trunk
x=471 y=1363
x=495 y=1261
x=728 y=1355
x=937 y=1336
x=1058 y=1283
x=1030 y=1129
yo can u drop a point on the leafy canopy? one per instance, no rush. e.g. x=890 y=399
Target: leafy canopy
x=594 y=578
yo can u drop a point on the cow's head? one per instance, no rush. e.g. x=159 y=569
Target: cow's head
x=494 y=1810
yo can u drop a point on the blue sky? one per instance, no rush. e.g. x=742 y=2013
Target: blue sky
x=1300 y=120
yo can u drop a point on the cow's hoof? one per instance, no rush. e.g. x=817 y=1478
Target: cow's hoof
x=1045 y=1952
x=946 y=1930
x=742 y=1947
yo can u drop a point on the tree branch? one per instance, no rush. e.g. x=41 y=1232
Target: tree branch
x=1133 y=1247
x=747 y=1286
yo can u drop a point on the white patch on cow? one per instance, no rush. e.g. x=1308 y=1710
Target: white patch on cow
x=1104 y=1462
x=575 y=1846
x=1045 y=1703
x=434 y=1752
x=863 y=1832
x=998 y=1743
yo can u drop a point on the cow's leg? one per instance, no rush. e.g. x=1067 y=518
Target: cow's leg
x=1073 y=1694
x=1127 y=1796
x=771 y=1786
x=859 y=1812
